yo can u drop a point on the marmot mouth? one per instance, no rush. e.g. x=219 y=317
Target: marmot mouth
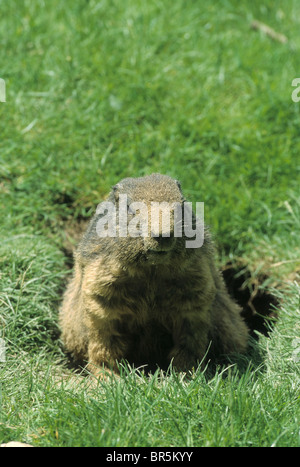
x=158 y=252
x=155 y=254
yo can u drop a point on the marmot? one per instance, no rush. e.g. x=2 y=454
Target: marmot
x=147 y=299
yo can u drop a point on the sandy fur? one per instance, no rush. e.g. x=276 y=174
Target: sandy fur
x=125 y=302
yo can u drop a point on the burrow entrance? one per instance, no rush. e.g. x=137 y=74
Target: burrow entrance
x=258 y=304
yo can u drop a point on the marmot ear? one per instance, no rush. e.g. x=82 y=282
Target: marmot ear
x=178 y=184
x=180 y=189
x=115 y=191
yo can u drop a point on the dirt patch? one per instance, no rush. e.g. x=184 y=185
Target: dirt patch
x=73 y=232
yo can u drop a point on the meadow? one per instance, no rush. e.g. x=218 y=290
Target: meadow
x=100 y=90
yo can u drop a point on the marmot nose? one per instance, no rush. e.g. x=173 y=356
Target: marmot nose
x=162 y=243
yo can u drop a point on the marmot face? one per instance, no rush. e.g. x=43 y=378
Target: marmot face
x=148 y=214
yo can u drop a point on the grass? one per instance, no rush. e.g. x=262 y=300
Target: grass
x=101 y=90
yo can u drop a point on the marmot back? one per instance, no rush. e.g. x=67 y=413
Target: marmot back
x=139 y=294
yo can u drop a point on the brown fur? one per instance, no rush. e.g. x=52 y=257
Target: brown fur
x=127 y=300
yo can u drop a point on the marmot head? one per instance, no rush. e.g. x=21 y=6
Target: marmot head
x=141 y=221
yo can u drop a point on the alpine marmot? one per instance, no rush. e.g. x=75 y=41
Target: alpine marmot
x=139 y=294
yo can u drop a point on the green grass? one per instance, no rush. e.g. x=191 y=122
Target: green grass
x=101 y=90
